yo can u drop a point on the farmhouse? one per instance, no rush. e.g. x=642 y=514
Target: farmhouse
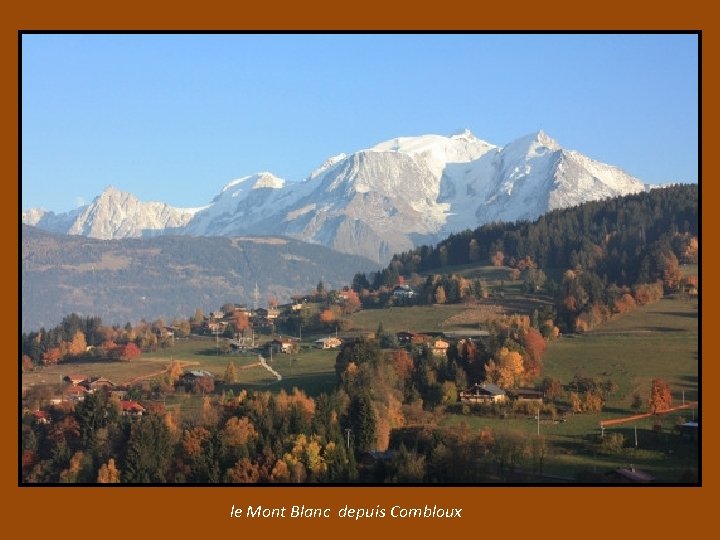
x=284 y=344
x=98 y=383
x=191 y=376
x=483 y=393
x=328 y=343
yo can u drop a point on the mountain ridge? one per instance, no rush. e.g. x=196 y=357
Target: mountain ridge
x=376 y=201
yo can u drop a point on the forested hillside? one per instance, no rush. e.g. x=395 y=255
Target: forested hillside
x=590 y=255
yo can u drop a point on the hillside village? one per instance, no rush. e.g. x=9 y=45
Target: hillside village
x=464 y=362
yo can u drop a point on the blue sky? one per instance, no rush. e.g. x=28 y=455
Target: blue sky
x=173 y=118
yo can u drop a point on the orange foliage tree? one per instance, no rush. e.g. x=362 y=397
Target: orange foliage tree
x=660 y=396
x=534 y=345
x=51 y=357
x=241 y=322
x=402 y=363
x=327 y=316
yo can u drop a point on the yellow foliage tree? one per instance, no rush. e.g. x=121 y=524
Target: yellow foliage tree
x=108 y=473
x=510 y=368
x=78 y=345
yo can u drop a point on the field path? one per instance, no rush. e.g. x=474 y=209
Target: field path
x=625 y=419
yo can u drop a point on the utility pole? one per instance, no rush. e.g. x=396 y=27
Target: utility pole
x=635 y=435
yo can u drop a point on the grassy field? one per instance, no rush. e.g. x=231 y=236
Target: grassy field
x=415 y=319
x=658 y=340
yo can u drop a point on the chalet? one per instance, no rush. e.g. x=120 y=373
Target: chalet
x=403 y=291
x=297 y=306
x=483 y=393
x=440 y=347
x=131 y=408
x=328 y=343
x=284 y=344
x=267 y=314
x=190 y=377
x=98 y=383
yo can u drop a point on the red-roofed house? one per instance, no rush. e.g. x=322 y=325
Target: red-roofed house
x=131 y=408
x=41 y=417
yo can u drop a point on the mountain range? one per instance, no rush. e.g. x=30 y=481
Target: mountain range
x=374 y=202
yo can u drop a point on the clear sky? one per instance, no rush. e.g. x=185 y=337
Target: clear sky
x=173 y=118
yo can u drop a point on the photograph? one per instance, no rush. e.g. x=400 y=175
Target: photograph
x=359 y=259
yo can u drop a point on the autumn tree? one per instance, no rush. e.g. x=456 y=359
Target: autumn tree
x=244 y=472
x=230 y=373
x=128 y=352
x=193 y=440
x=108 y=473
x=402 y=364
x=510 y=369
x=440 y=296
x=241 y=321
x=672 y=275
x=660 y=396
x=552 y=387
x=26 y=363
x=497 y=258
x=51 y=356
x=173 y=371
x=327 y=316
x=534 y=345
x=78 y=345
x=237 y=431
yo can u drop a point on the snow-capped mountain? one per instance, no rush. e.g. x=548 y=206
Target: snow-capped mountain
x=113 y=214
x=377 y=201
